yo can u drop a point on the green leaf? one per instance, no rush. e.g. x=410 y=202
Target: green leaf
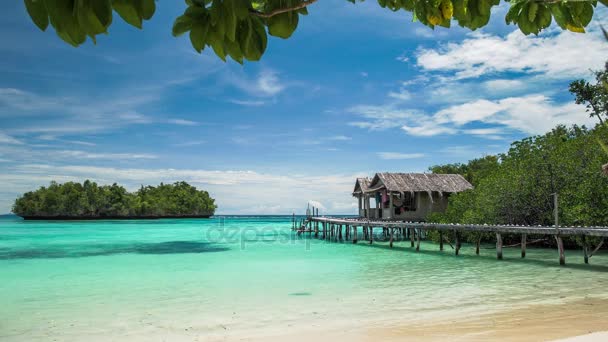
x=560 y=13
x=147 y=9
x=234 y=51
x=62 y=16
x=103 y=11
x=181 y=25
x=37 y=11
x=283 y=25
x=586 y=14
x=543 y=17
x=128 y=11
x=87 y=19
x=532 y=9
x=198 y=34
x=230 y=20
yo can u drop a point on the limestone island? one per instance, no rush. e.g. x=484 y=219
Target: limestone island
x=89 y=201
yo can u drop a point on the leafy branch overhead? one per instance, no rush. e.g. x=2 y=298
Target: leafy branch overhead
x=239 y=28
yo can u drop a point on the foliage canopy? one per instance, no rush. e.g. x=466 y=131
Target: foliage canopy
x=88 y=200
x=239 y=28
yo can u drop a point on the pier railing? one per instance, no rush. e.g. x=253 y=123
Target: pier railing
x=333 y=227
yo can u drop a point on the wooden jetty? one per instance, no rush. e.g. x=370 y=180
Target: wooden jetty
x=347 y=228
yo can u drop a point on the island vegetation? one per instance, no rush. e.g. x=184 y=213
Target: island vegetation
x=239 y=28
x=518 y=187
x=88 y=200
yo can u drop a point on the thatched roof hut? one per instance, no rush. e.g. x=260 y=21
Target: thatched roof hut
x=406 y=196
x=418 y=182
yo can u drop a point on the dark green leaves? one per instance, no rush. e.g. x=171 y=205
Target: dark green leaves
x=531 y=17
x=37 y=11
x=227 y=27
x=238 y=28
x=283 y=25
x=74 y=20
x=198 y=34
x=134 y=12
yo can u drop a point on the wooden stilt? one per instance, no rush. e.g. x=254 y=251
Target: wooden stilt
x=498 y=246
x=355 y=234
x=371 y=235
x=560 y=248
x=418 y=233
x=340 y=231
x=524 y=239
x=440 y=240
x=456 y=243
x=412 y=233
x=477 y=243
x=391 y=238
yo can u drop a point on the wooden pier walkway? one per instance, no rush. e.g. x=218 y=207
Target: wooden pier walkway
x=330 y=227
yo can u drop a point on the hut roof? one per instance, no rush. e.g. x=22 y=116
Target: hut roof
x=361 y=185
x=418 y=182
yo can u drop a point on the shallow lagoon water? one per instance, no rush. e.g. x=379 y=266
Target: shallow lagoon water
x=250 y=276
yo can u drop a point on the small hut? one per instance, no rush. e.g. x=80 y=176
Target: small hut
x=406 y=196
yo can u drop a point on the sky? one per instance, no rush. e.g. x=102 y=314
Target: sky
x=356 y=90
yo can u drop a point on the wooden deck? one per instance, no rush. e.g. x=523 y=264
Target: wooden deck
x=347 y=228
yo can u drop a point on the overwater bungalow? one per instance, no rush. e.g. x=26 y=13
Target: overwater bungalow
x=406 y=196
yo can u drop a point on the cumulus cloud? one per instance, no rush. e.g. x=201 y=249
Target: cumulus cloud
x=563 y=55
x=533 y=114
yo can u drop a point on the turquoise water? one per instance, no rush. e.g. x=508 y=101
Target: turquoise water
x=230 y=277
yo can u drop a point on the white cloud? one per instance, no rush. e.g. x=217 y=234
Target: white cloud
x=7 y=139
x=93 y=155
x=382 y=117
x=502 y=85
x=190 y=143
x=401 y=95
x=249 y=103
x=182 y=122
x=339 y=138
x=269 y=83
x=266 y=84
x=428 y=129
x=533 y=114
x=399 y=156
x=563 y=55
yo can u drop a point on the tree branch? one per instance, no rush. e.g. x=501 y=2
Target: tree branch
x=282 y=10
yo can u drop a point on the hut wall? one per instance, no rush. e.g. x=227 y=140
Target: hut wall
x=424 y=206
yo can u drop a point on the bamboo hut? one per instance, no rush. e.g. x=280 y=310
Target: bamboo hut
x=406 y=196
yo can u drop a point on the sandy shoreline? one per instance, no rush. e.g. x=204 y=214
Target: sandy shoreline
x=577 y=321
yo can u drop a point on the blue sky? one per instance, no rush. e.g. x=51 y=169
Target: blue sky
x=356 y=90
